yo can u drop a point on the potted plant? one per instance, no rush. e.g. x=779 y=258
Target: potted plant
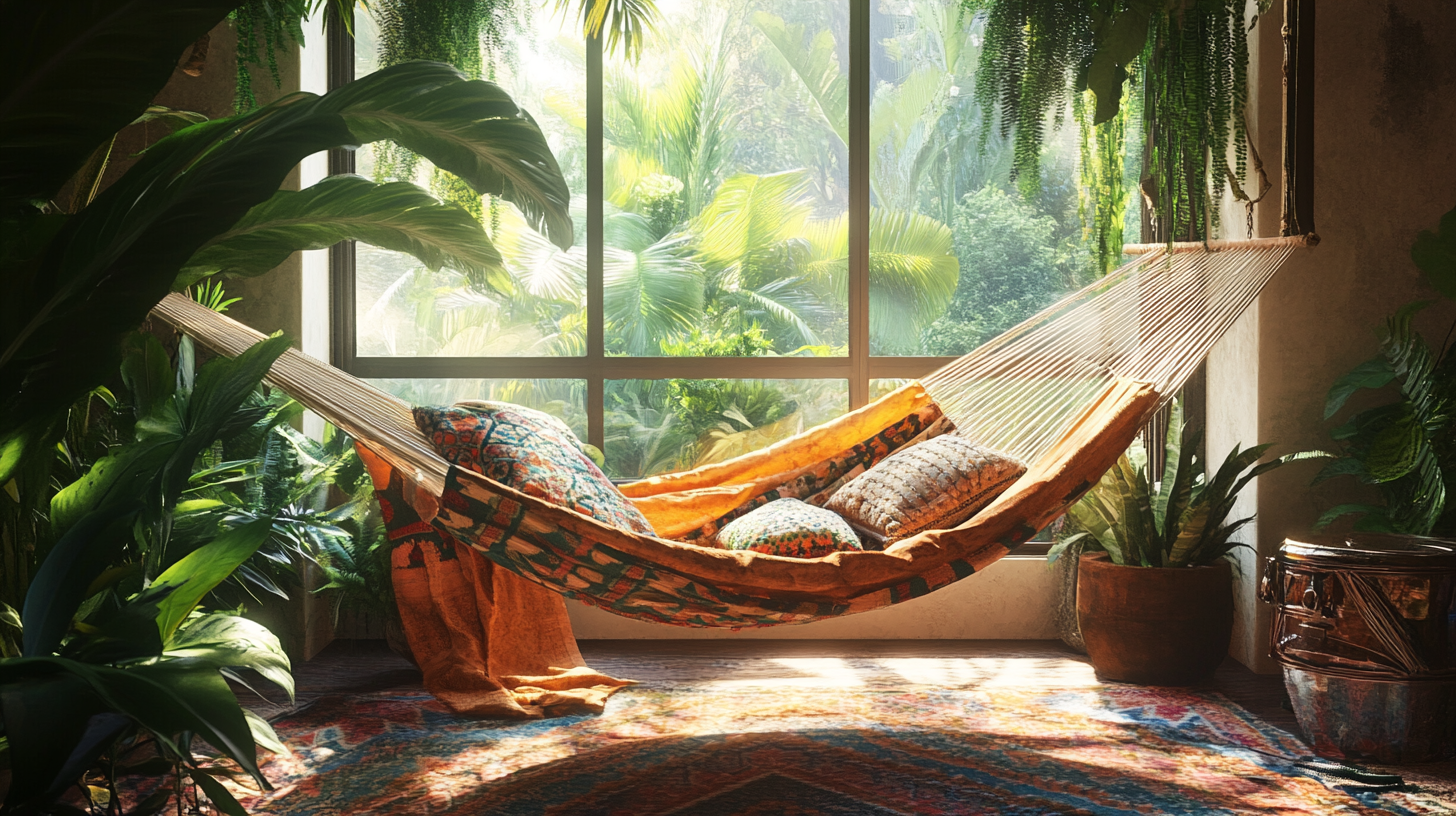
x=1405 y=446
x=1155 y=603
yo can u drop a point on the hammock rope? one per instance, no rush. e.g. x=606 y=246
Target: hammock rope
x=1066 y=390
x=1153 y=320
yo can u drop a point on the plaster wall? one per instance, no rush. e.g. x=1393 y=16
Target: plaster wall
x=1385 y=168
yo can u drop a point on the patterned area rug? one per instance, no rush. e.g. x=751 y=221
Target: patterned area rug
x=737 y=751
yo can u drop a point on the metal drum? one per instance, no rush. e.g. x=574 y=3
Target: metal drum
x=1365 y=628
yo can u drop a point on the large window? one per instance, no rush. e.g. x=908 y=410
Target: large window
x=783 y=209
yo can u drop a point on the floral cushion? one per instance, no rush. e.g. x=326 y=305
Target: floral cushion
x=934 y=485
x=532 y=452
x=789 y=527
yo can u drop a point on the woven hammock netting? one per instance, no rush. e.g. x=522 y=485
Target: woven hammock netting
x=1066 y=391
x=1153 y=320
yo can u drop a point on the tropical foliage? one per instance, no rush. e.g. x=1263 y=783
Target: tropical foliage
x=187 y=493
x=1191 y=61
x=168 y=221
x=726 y=191
x=1406 y=447
x=1181 y=521
x=117 y=664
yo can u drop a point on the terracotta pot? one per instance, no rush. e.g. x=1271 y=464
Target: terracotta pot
x=1157 y=626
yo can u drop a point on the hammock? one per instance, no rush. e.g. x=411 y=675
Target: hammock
x=1066 y=391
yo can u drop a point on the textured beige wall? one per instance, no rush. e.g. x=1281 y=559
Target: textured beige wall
x=1385 y=168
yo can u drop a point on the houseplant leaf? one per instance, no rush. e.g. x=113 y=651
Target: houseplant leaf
x=147 y=372
x=110 y=264
x=471 y=129
x=1373 y=373
x=62 y=582
x=1435 y=254
x=397 y=216
x=222 y=641
x=199 y=572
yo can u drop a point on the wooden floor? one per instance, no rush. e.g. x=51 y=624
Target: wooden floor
x=364 y=666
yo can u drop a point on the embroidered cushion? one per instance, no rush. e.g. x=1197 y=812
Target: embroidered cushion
x=532 y=452
x=934 y=485
x=789 y=527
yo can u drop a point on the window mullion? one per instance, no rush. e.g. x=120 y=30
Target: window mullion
x=595 y=243
x=859 y=202
x=339 y=39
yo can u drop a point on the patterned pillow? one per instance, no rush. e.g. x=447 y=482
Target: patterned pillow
x=532 y=452
x=934 y=485
x=789 y=527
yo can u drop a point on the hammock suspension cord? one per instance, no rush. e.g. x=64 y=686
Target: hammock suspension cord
x=1153 y=320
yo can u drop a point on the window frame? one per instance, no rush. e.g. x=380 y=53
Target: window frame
x=858 y=368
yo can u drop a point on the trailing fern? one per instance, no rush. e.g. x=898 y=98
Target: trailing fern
x=264 y=28
x=1041 y=57
x=1031 y=60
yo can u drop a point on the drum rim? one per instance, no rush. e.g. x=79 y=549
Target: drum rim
x=1371 y=550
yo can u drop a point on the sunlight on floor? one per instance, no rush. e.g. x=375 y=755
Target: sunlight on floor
x=893 y=672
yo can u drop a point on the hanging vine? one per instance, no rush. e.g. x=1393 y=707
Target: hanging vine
x=1033 y=52
x=1102 y=196
x=475 y=36
x=472 y=35
x=264 y=28
x=1191 y=57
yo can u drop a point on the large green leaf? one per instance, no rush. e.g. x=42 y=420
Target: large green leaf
x=748 y=214
x=223 y=641
x=185 y=583
x=1435 y=254
x=470 y=128
x=1374 y=373
x=817 y=66
x=157 y=467
x=913 y=274
x=109 y=265
x=652 y=293
x=1395 y=447
x=62 y=582
x=397 y=216
x=147 y=373
x=73 y=73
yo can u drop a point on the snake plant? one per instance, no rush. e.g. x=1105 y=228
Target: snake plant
x=1182 y=520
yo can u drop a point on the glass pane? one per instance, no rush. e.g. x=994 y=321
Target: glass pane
x=957 y=255
x=406 y=310
x=726 y=182
x=661 y=426
x=879 y=388
x=565 y=399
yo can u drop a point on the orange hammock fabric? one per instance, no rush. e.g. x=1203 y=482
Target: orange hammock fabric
x=683 y=584
x=495 y=644
x=492 y=633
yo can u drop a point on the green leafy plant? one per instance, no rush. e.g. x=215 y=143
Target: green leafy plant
x=1192 y=62
x=118 y=669
x=1407 y=447
x=263 y=28
x=1182 y=521
x=87 y=278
